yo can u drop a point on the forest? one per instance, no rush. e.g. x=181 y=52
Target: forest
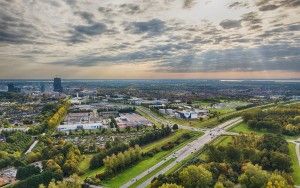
x=280 y=119
x=249 y=160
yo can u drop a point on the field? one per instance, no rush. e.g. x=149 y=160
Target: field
x=85 y=163
x=141 y=166
x=152 y=173
x=243 y=128
x=295 y=164
x=130 y=173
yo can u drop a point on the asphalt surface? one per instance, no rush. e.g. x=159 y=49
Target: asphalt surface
x=184 y=152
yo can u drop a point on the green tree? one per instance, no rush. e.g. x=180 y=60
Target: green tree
x=195 y=176
x=219 y=185
x=170 y=185
x=73 y=181
x=253 y=176
x=277 y=181
x=175 y=127
x=27 y=171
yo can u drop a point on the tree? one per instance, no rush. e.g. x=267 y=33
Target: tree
x=277 y=181
x=272 y=142
x=34 y=181
x=219 y=185
x=280 y=161
x=52 y=166
x=27 y=171
x=33 y=157
x=175 y=127
x=195 y=176
x=170 y=185
x=73 y=181
x=253 y=176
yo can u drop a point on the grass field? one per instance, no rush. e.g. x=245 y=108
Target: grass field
x=173 y=137
x=143 y=165
x=295 y=164
x=130 y=173
x=85 y=163
x=222 y=141
x=152 y=173
x=243 y=128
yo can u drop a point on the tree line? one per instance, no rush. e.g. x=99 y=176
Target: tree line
x=151 y=136
x=118 y=146
x=282 y=119
x=118 y=162
x=249 y=160
x=58 y=116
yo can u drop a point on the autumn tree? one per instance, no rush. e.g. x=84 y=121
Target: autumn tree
x=195 y=176
x=253 y=176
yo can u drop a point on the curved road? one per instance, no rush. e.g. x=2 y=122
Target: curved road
x=184 y=152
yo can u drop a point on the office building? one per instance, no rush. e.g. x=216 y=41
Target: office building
x=57 y=87
x=11 y=88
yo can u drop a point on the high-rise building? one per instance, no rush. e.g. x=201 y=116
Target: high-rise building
x=42 y=87
x=57 y=85
x=11 y=88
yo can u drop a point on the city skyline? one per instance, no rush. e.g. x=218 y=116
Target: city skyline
x=150 y=39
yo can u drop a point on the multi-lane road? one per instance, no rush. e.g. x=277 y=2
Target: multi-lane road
x=185 y=151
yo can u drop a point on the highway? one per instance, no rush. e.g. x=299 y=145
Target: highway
x=184 y=152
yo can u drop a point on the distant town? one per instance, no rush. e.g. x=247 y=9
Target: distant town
x=100 y=119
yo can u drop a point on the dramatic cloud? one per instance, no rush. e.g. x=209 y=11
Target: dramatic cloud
x=228 y=24
x=151 y=27
x=130 y=8
x=268 y=7
x=71 y=37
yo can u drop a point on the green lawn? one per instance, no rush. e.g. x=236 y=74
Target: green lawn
x=152 y=173
x=93 y=173
x=295 y=164
x=243 y=128
x=130 y=173
x=85 y=163
x=173 y=137
x=157 y=144
x=222 y=141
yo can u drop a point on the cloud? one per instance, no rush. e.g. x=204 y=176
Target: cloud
x=188 y=3
x=239 y=4
x=268 y=7
x=294 y=27
x=105 y=10
x=229 y=24
x=152 y=27
x=14 y=29
x=252 y=20
x=81 y=31
x=87 y=16
x=262 y=58
x=171 y=36
x=129 y=8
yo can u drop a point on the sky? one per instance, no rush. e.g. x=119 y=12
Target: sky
x=150 y=39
